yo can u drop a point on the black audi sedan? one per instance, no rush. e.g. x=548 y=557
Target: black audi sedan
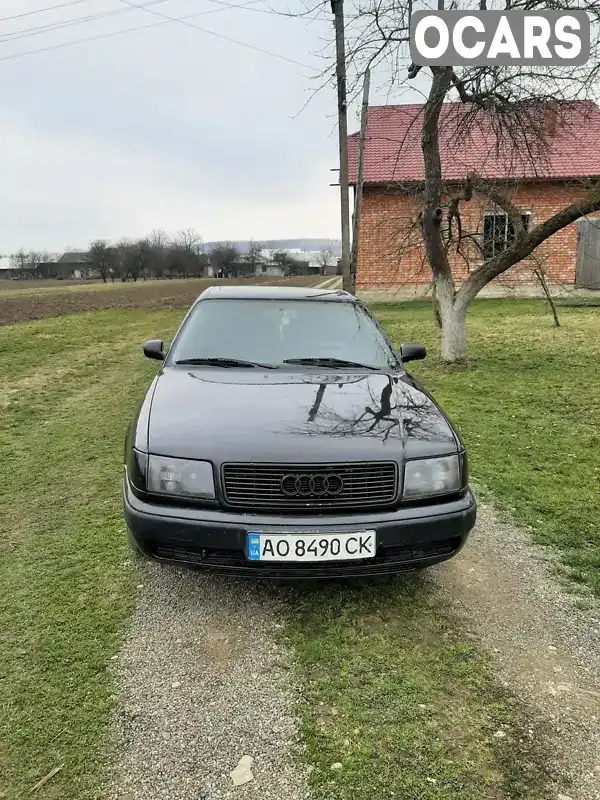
x=282 y=437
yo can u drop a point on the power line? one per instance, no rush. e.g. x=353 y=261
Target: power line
x=98 y=36
x=40 y=10
x=54 y=26
x=284 y=14
x=246 y=8
x=165 y=21
x=183 y=21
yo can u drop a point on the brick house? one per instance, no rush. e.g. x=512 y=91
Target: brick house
x=391 y=251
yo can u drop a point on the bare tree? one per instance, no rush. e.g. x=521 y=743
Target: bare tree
x=188 y=238
x=288 y=264
x=512 y=102
x=190 y=258
x=100 y=259
x=175 y=262
x=254 y=258
x=325 y=257
x=33 y=263
x=140 y=259
x=158 y=245
x=178 y=262
x=40 y=263
x=122 y=257
x=114 y=259
x=155 y=255
x=20 y=261
x=224 y=259
x=130 y=259
x=159 y=238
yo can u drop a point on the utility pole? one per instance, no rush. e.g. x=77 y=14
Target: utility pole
x=359 y=177
x=337 y=7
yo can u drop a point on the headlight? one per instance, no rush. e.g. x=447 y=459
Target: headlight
x=137 y=467
x=180 y=478
x=427 y=477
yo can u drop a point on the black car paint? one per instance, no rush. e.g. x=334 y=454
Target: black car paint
x=239 y=415
x=292 y=415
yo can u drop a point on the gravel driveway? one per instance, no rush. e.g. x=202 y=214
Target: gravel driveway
x=546 y=649
x=202 y=685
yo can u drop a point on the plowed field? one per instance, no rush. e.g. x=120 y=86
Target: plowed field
x=38 y=303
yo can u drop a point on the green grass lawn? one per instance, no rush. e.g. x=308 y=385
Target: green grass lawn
x=70 y=385
x=399 y=696
x=528 y=410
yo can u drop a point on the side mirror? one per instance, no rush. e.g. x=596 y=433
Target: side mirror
x=412 y=352
x=154 y=349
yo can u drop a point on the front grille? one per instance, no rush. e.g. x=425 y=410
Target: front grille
x=300 y=487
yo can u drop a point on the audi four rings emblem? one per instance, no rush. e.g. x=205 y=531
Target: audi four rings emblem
x=307 y=485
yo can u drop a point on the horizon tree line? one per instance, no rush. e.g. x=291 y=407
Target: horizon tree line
x=160 y=256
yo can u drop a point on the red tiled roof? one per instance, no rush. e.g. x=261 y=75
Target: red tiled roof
x=393 y=146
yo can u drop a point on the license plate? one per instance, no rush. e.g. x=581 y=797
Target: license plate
x=311 y=546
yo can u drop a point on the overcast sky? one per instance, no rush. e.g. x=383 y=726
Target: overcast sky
x=164 y=126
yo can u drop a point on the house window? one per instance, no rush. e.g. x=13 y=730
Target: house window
x=499 y=232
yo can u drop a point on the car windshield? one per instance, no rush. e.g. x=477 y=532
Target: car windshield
x=277 y=331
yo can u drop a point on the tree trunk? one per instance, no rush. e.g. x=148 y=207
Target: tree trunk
x=454 y=333
x=453 y=341
x=539 y=274
x=436 y=306
x=453 y=313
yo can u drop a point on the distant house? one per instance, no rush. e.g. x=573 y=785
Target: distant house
x=72 y=265
x=331 y=267
x=272 y=269
x=310 y=262
x=390 y=250
x=6 y=270
x=268 y=270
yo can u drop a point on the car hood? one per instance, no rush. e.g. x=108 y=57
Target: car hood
x=297 y=417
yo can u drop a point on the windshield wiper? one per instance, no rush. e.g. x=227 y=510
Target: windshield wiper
x=328 y=362
x=224 y=362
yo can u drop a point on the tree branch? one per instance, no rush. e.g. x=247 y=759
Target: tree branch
x=501 y=200
x=432 y=210
x=525 y=245
x=453 y=211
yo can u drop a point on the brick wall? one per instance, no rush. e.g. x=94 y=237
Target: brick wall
x=391 y=251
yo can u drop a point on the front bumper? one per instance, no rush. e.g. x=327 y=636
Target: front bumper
x=216 y=540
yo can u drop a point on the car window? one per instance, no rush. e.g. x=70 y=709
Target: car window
x=271 y=331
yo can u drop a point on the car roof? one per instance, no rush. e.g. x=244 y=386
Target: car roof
x=241 y=292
